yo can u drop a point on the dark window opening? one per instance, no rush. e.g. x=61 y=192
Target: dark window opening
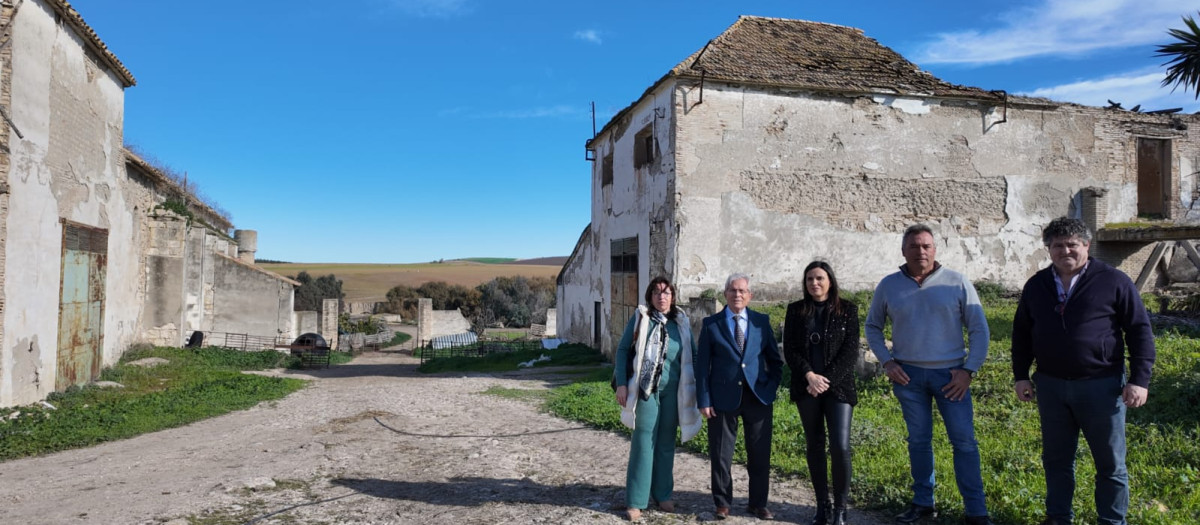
x=643 y=147
x=606 y=170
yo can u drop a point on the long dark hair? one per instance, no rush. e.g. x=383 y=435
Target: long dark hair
x=674 y=293
x=833 y=300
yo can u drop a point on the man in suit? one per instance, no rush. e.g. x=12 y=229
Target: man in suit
x=738 y=370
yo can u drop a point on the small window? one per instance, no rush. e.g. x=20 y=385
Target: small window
x=643 y=147
x=624 y=255
x=606 y=170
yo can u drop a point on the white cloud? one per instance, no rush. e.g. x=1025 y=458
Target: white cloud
x=589 y=35
x=433 y=8
x=1142 y=87
x=1059 y=27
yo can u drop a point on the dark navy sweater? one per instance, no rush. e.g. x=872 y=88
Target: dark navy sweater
x=1103 y=316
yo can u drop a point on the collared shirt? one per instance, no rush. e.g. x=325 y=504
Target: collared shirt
x=740 y=317
x=1063 y=295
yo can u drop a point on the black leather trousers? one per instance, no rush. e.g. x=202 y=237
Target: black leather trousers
x=815 y=414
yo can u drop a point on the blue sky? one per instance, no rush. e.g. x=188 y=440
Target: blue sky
x=414 y=130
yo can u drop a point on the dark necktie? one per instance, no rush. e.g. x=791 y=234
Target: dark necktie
x=739 y=337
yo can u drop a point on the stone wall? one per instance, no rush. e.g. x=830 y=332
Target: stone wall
x=770 y=180
x=329 y=321
x=437 y=323
x=578 y=290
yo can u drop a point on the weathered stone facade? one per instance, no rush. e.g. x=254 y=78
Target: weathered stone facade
x=89 y=262
x=762 y=176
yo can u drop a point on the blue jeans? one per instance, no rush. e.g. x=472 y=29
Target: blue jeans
x=1094 y=407
x=916 y=402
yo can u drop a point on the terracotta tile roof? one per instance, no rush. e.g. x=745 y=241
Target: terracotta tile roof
x=814 y=55
x=89 y=36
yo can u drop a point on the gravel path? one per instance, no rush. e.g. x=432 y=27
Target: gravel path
x=369 y=442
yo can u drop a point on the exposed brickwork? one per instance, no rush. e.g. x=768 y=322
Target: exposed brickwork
x=5 y=159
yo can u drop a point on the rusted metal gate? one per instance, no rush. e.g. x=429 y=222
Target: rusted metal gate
x=81 y=310
x=623 y=287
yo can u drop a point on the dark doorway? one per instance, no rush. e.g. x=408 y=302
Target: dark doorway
x=1154 y=167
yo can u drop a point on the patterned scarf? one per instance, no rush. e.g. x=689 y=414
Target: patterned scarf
x=652 y=359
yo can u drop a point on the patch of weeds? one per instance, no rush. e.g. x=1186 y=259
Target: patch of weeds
x=192 y=385
x=520 y=394
x=399 y=338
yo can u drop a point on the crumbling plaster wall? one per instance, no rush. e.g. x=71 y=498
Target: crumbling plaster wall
x=770 y=180
x=579 y=288
x=69 y=108
x=250 y=300
x=639 y=203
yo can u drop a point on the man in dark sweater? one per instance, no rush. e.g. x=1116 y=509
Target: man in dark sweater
x=1075 y=320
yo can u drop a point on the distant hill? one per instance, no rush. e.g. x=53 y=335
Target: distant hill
x=370 y=282
x=539 y=261
x=546 y=261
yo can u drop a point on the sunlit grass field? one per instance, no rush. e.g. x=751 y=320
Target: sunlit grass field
x=371 y=282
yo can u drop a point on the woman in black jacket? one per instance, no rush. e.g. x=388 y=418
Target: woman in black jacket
x=821 y=347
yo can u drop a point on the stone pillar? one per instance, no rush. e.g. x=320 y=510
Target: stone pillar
x=329 y=321
x=424 y=321
x=247 y=241
x=551 y=322
x=1095 y=208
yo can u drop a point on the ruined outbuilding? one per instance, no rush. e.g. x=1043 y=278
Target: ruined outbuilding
x=783 y=141
x=91 y=261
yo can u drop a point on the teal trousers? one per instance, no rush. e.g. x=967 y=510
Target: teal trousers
x=652 y=448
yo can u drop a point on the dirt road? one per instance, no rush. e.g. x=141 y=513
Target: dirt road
x=369 y=442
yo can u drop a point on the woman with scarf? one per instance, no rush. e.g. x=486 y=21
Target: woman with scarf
x=657 y=393
x=820 y=339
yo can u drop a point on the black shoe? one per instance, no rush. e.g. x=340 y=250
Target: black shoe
x=822 y=515
x=977 y=520
x=916 y=513
x=839 y=517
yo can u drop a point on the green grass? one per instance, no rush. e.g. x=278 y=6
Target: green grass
x=399 y=339
x=1163 y=436
x=564 y=355
x=194 y=385
x=508 y=335
x=489 y=260
x=520 y=394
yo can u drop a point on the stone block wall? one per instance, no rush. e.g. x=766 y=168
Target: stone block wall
x=329 y=321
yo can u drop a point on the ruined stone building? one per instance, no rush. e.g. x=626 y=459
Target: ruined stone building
x=91 y=262
x=783 y=141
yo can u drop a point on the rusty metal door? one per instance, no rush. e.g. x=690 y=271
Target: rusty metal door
x=1153 y=164
x=623 y=288
x=81 y=310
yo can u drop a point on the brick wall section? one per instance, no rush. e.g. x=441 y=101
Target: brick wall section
x=1130 y=257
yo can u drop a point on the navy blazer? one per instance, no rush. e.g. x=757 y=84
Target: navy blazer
x=721 y=370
